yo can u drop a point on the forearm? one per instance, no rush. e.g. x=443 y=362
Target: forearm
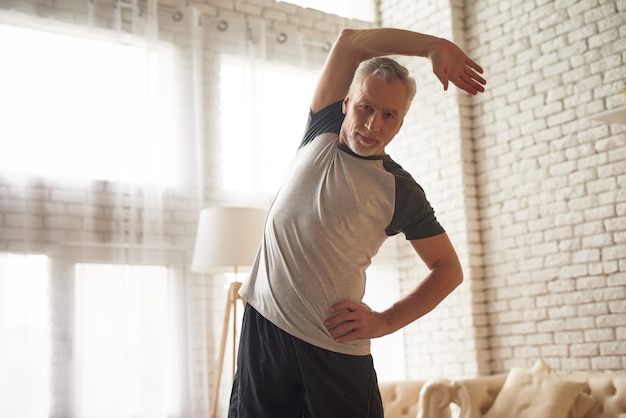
x=449 y=62
x=431 y=291
x=368 y=43
x=354 y=46
x=351 y=320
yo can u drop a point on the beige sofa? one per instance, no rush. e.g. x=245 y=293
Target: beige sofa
x=539 y=392
x=416 y=399
x=401 y=399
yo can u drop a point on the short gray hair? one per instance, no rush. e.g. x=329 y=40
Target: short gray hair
x=388 y=70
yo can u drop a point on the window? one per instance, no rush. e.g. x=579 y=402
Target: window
x=75 y=107
x=125 y=344
x=123 y=341
x=24 y=336
x=352 y=9
x=263 y=115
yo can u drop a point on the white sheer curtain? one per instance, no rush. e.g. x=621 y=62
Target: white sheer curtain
x=99 y=315
x=121 y=121
x=266 y=85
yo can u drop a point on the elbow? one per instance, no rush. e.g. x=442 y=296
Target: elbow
x=345 y=39
x=457 y=275
x=346 y=36
x=450 y=269
x=453 y=273
x=450 y=276
x=353 y=43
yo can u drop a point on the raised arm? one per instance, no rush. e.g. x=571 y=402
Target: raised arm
x=450 y=64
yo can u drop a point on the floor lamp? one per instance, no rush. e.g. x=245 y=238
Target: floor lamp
x=228 y=239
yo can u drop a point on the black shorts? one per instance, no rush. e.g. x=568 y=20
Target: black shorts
x=280 y=376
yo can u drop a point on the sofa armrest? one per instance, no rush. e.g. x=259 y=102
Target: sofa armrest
x=435 y=399
x=476 y=395
x=400 y=398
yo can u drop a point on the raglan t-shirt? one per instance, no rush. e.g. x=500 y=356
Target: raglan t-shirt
x=330 y=217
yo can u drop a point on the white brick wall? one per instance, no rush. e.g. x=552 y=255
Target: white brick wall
x=429 y=146
x=563 y=193
x=547 y=276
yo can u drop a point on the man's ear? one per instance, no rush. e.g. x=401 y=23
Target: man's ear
x=344 y=105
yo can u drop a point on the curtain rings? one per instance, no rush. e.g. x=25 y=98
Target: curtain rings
x=177 y=16
x=222 y=26
x=282 y=38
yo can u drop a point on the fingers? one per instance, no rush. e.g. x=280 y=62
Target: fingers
x=459 y=69
x=346 y=319
x=471 y=77
x=468 y=80
x=341 y=324
x=443 y=78
x=344 y=332
x=351 y=321
x=473 y=64
x=341 y=314
x=342 y=306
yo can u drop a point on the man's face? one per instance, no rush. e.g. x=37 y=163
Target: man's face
x=374 y=114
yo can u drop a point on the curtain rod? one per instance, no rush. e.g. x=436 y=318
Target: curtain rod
x=222 y=25
x=280 y=37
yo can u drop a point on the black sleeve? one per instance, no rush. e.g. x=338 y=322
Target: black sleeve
x=413 y=214
x=326 y=120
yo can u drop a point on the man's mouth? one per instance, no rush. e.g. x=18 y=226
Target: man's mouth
x=366 y=139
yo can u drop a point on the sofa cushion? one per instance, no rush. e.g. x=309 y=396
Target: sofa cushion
x=400 y=399
x=582 y=405
x=608 y=391
x=583 y=402
x=532 y=394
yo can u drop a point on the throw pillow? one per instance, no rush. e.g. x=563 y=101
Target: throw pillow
x=583 y=403
x=527 y=394
x=541 y=366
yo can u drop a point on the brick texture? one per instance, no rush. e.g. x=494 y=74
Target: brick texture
x=546 y=262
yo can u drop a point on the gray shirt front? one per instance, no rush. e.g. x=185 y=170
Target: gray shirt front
x=330 y=217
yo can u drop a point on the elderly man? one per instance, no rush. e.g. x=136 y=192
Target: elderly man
x=305 y=344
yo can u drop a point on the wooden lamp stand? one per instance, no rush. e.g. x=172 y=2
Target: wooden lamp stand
x=231 y=306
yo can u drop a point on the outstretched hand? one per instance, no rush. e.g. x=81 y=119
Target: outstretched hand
x=451 y=64
x=350 y=321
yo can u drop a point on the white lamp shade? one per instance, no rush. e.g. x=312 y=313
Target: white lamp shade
x=227 y=239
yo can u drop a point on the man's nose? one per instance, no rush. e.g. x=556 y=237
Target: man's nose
x=373 y=122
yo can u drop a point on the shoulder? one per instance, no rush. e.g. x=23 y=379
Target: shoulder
x=403 y=178
x=413 y=214
x=327 y=120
